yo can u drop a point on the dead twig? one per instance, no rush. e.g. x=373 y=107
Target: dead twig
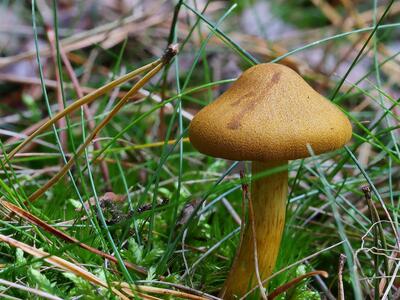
x=342 y=260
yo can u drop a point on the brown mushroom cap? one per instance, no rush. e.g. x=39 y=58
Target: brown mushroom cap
x=269 y=113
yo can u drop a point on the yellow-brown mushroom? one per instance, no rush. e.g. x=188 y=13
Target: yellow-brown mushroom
x=268 y=116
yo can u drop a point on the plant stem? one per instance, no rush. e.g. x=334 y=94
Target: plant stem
x=93 y=134
x=82 y=101
x=268 y=198
x=170 y=52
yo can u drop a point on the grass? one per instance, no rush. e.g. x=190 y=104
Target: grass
x=172 y=230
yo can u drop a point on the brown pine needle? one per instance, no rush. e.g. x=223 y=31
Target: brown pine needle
x=61 y=263
x=294 y=282
x=65 y=237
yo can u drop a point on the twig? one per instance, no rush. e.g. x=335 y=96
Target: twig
x=342 y=260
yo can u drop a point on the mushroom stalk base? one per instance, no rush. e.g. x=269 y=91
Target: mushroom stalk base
x=268 y=196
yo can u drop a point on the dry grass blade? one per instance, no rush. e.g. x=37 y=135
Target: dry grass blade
x=169 y=53
x=60 y=263
x=93 y=134
x=88 y=114
x=155 y=290
x=340 y=277
x=138 y=295
x=89 y=98
x=38 y=222
x=294 y=282
x=29 y=130
x=62 y=123
x=37 y=292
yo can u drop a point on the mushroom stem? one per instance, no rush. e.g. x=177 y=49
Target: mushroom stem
x=268 y=197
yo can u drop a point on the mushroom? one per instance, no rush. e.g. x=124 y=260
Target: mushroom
x=268 y=116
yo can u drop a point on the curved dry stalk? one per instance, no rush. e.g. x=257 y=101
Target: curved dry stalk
x=34 y=291
x=92 y=135
x=65 y=237
x=60 y=263
x=89 y=98
x=294 y=282
x=171 y=51
x=132 y=290
x=91 y=123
